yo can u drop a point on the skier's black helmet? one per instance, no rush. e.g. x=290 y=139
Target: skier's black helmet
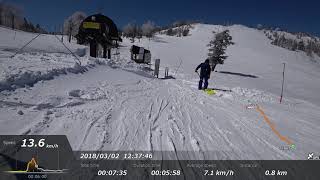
x=206 y=61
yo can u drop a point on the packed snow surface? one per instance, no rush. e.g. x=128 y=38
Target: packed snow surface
x=119 y=105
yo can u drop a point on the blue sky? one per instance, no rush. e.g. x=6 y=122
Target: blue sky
x=294 y=15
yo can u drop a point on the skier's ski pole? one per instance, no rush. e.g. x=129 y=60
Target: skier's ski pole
x=284 y=68
x=198 y=73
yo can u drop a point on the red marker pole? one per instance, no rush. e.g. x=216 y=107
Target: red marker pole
x=284 y=68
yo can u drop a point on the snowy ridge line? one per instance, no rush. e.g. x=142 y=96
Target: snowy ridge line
x=29 y=78
x=31 y=33
x=12 y=40
x=17 y=30
x=22 y=31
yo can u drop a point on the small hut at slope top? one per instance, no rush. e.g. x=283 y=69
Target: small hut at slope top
x=101 y=33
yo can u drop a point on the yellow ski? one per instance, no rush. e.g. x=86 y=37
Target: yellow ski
x=210 y=91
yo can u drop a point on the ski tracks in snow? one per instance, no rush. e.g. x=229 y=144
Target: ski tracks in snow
x=160 y=115
x=220 y=128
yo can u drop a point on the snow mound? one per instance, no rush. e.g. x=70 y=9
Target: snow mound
x=43 y=59
x=29 y=78
x=254 y=95
x=75 y=93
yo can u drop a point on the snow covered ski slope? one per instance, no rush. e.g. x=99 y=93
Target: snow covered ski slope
x=118 y=105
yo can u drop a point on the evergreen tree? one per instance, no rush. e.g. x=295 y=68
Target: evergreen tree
x=185 y=32
x=169 y=32
x=309 y=48
x=217 y=48
x=301 y=46
x=25 y=25
x=294 y=46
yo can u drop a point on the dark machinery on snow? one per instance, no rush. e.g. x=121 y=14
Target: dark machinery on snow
x=140 y=55
x=101 y=33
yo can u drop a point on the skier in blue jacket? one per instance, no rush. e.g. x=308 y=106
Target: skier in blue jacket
x=205 y=71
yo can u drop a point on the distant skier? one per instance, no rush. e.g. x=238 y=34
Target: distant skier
x=204 y=74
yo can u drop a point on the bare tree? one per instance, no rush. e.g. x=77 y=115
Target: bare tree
x=72 y=23
x=131 y=30
x=148 y=29
x=138 y=32
x=1 y=10
x=10 y=15
x=128 y=30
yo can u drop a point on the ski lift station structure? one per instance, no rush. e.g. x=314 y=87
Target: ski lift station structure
x=101 y=33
